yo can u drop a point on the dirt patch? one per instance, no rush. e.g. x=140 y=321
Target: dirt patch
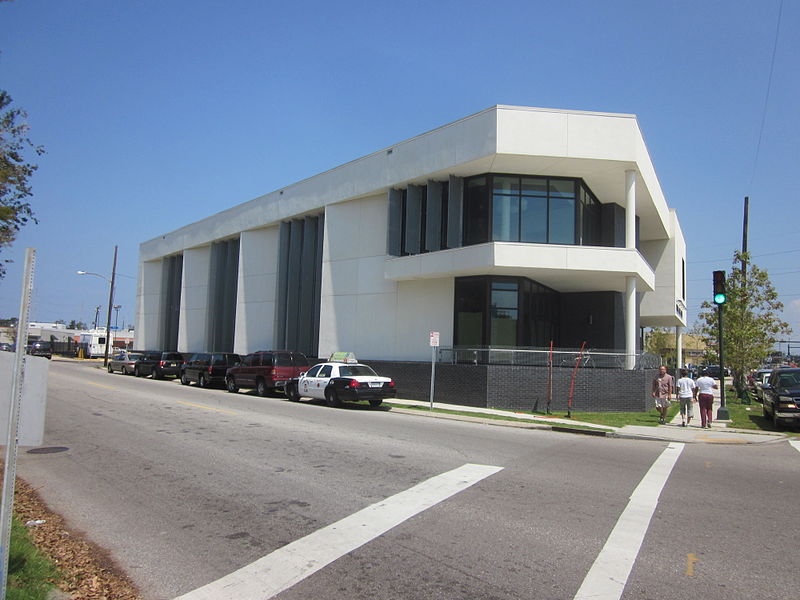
x=88 y=570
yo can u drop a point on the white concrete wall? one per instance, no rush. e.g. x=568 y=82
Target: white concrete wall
x=358 y=309
x=148 y=301
x=658 y=307
x=255 y=303
x=423 y=306
x=193 y=324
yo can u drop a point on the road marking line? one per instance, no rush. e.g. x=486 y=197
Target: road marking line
x=283 y=568
x=107 y=387
x=690 y=560
x=229 y=412
x=795 y=444
x=607 y=578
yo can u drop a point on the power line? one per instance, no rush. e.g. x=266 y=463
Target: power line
x=697 y=262
x=766 y=96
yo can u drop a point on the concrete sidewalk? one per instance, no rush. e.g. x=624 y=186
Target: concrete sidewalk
x=671 y=432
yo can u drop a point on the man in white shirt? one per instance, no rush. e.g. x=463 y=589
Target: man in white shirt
x=685 y=391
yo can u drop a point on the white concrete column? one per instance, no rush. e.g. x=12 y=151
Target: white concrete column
x=255 y=302
x=630 y=209
x=679 y=346
x=630 y=322
x=193 y=322
x=148 y=312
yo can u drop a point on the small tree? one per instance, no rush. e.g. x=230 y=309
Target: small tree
x=661 y=342
x=751 y=320
x=15 y=173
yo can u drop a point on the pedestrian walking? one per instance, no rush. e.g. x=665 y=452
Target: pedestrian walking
x=663 y=386
x=704 y=389
x=685 y=392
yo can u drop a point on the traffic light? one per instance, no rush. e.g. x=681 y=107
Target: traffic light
x=720 y=296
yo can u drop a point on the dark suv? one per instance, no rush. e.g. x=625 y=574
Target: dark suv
x=160 y=364
x=781 y=399
x=266 y=370
x=207 y=368
x=41 y=349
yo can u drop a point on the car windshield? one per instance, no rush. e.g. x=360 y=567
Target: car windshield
x=788 y=380
x=355 y=370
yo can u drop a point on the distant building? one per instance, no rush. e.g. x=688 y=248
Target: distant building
x=512 y=227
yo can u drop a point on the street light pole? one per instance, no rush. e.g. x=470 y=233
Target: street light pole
x=110 y=306
x=110 y=302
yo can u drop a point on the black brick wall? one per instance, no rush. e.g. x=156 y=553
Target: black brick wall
x=521 y=388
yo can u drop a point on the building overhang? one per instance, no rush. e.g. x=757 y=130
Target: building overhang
x=562 y=268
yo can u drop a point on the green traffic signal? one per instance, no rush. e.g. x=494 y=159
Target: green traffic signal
x=719 y=287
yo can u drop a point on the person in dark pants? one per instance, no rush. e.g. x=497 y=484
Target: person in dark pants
x=705 y=398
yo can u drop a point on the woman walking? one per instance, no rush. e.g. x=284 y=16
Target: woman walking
x=705 y=398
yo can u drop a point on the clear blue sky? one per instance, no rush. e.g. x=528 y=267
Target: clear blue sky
x=156 y=114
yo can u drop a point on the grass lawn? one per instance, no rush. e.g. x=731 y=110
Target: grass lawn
x=30 y=574
x=619 y=419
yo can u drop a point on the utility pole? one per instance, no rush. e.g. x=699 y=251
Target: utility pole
x=96 y=316
x=745 y=225
x=110 y=306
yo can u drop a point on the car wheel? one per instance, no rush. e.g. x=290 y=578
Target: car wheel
x=764 y=411
x=202 y=381
x=261 y=388
x=110 y=370
x=137 y=372
x=155 y=374
x=184 y=379
x=230 y=384
x=292 y=392
x=332 y=398
x=776 y=422
x=375 y=402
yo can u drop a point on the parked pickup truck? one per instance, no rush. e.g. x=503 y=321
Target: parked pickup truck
x=781 y=399
x=266 y=371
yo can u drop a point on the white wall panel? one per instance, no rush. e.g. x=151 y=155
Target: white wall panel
x=422 y=307
x=149 y=305
x=255 y=309
x=193 y=324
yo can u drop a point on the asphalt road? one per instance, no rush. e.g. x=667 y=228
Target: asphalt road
x=184 y=486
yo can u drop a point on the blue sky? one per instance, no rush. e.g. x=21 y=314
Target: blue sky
x=157 y=114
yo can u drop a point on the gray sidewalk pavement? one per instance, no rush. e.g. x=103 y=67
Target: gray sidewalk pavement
x=719 y=433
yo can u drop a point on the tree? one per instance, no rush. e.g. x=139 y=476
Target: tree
x=73 y=324
x=661 y=342
x=751 y=320
x=15 y=173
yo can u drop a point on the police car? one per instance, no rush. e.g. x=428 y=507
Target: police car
x=342 y=379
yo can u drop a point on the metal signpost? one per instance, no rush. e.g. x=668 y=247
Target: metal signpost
x=434 y=342
x=10 y=468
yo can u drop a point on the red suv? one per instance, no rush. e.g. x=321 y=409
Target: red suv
x=265 y=371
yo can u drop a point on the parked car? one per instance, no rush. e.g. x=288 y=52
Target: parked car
x=160 y=364
x=782 y=397
x=41 y=348
x=266 y=370
x=337 y=382
x=757 y=380
x=124 y=362
x=208 y=368
x=4 y=347
x=713 y=371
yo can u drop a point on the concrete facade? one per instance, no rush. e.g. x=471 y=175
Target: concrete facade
x=382 y=306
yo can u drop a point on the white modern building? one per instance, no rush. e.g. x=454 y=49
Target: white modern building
x=512 y=227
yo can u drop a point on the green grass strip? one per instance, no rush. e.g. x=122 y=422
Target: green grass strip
x=30 y=573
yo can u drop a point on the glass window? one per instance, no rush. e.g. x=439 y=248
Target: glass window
x=534 y=187
x=562 y=188
x=313 y=371
x=504 y=310
x=562 y=221
x=282 y=359
x=533 y=221
x=325 y=371
x=470 y=310
x=476 y=211
x=505 y=218
x=505 y=185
